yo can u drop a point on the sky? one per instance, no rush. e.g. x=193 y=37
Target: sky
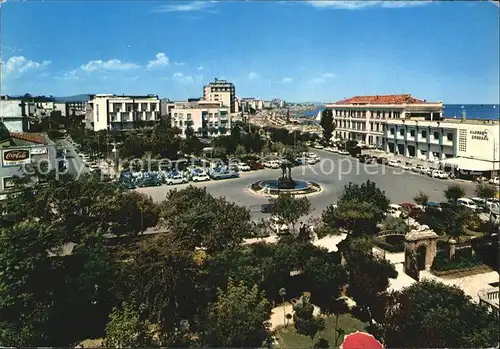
x=297 y=51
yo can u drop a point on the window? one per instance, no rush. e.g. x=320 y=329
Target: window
x=449 y=136
x=412 y=133
x=402 y=132
x=392 y=130
x=188 y=116
x=97 y=112
x=436 y=135
x=424 y=134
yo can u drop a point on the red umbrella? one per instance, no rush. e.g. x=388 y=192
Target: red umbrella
x=360 y=340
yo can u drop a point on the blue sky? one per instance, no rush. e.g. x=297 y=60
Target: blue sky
x=298 y=51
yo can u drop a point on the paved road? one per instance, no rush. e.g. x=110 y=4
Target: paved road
x=332 y=173
x=75 y=163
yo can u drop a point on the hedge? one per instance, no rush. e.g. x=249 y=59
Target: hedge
x=442 y=263
x=388 y=247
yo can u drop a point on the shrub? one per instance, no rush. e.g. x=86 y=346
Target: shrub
x=474 y=223
x=389 y=247
x=442 y=263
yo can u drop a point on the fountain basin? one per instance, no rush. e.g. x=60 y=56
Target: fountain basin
x=271 y=187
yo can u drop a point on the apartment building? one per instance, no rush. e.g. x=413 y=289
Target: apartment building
x=221 y=91
x=75 y=108
x=252 y=103
x=414 y=128
x=203 y=118
x=364 y=118
x=112 y=112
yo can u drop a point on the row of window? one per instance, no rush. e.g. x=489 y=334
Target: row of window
x=373 y=114
x=188 y=115
x=436 y=135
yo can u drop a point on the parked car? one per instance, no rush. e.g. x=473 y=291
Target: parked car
x=149 y=181
x=406 y=166
x=176 y=179
x=495 y=181
x=200 y=177
x=256 y=165
x=392 y=163
x=223 y=175
x=272 y=164
x=395 y=210
x=243 y=167
x=469 y=203
x=312 y=161
x=266 y=208
x=439 y=174
x=343 y=152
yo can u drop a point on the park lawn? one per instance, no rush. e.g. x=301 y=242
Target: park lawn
x=289 y=339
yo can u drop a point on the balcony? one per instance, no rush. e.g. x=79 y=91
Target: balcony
x=489 y=297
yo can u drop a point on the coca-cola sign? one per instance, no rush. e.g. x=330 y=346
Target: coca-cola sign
x=16 y=157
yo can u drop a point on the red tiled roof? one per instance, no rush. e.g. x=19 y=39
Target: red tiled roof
x=30 y=137
x=387 y=99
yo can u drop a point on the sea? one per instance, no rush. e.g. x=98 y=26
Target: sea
x=454 y=111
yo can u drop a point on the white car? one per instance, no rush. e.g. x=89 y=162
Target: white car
x=439 y=174
x=318 y=146
x=392 y=163
x=312 y=161
x=274 y=164
x=495 y=181
x=243 y=167
x=468 y=203
x=343 y=152
x=200 y=177
x=177 y=179
x=406 y=167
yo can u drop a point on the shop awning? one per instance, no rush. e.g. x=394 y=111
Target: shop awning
x=472 y=164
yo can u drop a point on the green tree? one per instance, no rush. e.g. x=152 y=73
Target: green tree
x=327 y=125
x=196 y=218
x=238 y=318
x=395 y=225
x=453 y=193
x=430 y=314
x=366 y=192
x=485 y=191
x=125 y=329
x=368 y=280
x=240 y=150
x=421 y=198
x=290 y=208
x=356 y=217
x=303 y=318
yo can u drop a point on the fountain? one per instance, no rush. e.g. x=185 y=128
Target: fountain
x=285 y=183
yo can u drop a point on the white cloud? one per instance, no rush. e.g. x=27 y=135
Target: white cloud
x=160 y=61
x=355 y=5
x=112 y=64
x=253 y=76
x=287 y=79
x=200 y=67
x=20 y=64
x=321 y=79
x=186 y=6
x=179 y=63
x=178 y=75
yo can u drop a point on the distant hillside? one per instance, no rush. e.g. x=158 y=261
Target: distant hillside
x=76 y=98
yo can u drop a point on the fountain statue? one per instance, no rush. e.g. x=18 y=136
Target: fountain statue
x=286 y=181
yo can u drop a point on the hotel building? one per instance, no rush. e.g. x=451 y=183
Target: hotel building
x=221 y=91
x=204 y=118
x=410 y=127
x=112 y=112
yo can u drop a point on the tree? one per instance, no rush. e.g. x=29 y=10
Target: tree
x=421 y=198
x=303 y=318
x=368 y=280
x=290 y=208
x=137 y=213
x=197 y=219
x=453 y=193
x=125 y=329
x=238 y=318
x=357 y=217
x=485 y=191
x=395 y=225
x=429 y=314
x=326 y=123
x=366 y=192
x=240 y=150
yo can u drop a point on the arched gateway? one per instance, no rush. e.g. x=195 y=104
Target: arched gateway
x=420 y=250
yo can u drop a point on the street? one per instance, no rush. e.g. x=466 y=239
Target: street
x=74 y=162
x=332 y=173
